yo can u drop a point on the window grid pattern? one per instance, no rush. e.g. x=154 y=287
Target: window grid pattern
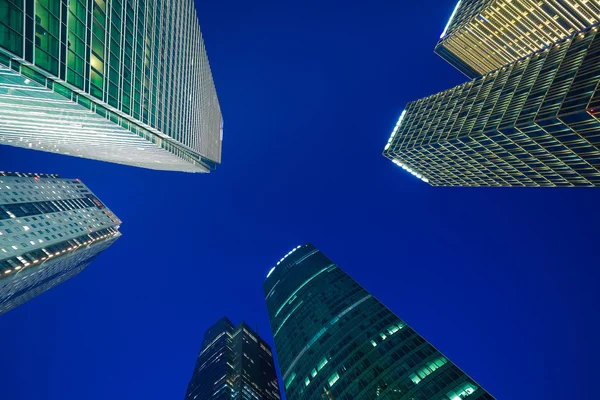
x=488 y=34
x=344 y=344
x=142 y=60
x=50 y=229
x=534 y=122
x=234 y=364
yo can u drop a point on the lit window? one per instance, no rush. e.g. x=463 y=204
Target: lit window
x=313 y=373
x=427 y=370
x=333 y=379
x=307 y=381
x=393 y=329
x=321 y=364
x=463 y=391
x=373 y=343
x=289 y=380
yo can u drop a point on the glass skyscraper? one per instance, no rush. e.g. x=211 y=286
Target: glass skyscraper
x=484 y=35
x=334 y=340
x=234 y=364
x=530 y=116
x=50 y=230
x=125 y=81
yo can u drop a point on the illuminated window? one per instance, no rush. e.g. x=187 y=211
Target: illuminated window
x=428 y=369
x=321 y=364
x=463 y=391
x=289 y=380
x=333 y=379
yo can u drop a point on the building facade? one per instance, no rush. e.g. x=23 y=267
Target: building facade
x=484 y=35
x=234 y=364
x=125 y=81
x=334 y=340
x=50 y=230
x=535 y=122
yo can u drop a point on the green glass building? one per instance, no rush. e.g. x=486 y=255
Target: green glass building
x=484 y=35
x=534 y=122
x=125 y=81
x=334 y=340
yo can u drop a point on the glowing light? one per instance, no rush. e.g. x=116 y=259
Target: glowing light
x=389 y=142
x=283 y=258
x=450 y=20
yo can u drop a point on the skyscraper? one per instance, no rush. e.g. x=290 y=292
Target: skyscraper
x=234 y=364
x=535 y=122
x=50 y=230
x=125 y=81
x=484 y=35
x=334 y=340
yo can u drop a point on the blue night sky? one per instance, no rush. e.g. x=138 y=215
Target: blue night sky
x=503 y=281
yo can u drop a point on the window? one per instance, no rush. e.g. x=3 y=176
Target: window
x=461 y=392
x=289 y=380
x=321 y=364
x=333 y=379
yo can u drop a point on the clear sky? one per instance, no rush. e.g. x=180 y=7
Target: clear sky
x=503 y=281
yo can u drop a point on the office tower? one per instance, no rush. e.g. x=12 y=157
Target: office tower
x=334 y=340
x=50 y=229
x=234 y=364
x=484 y=35
x=535 y=122
x=124 y=81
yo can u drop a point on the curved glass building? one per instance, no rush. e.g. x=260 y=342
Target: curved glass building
x=334 y=340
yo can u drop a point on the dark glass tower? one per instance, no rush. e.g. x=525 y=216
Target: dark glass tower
x=234 y=364
x=334 y=340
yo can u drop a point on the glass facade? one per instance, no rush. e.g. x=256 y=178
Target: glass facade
x=136 y=66
x=50 y=229
x=535 y=122
x=334 y=340
x=484 y=35
x=234 y=364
